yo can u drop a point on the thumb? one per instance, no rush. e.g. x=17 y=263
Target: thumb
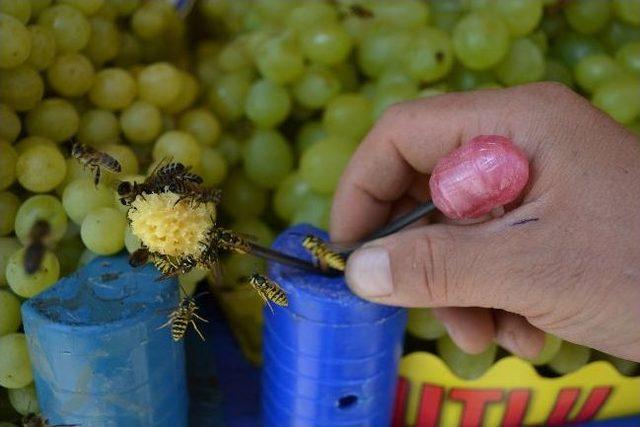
x=438 y=266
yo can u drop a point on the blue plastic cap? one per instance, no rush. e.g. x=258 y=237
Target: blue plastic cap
x=330 y=358
x=98 y=355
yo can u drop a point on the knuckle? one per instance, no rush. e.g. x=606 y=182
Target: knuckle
x=430 y=265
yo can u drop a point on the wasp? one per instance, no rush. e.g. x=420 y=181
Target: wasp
x=323 y=255
x=172 y=266
x=227 y=240
x=34 y=253
x=139 y=257
x=360 y=11
x=35 y=420
x=94 y=159
x=268 y=290
x=182 y=316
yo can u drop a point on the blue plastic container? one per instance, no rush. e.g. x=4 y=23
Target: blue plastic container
x=98 y=355
x=330 y=358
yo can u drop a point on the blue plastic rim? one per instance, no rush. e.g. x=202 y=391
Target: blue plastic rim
x=331 y=358
x=98 y=355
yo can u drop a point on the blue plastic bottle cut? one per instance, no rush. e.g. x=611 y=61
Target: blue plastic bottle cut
x=98 y=355
x=330 y=358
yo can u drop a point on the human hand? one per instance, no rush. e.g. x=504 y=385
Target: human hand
x=574 y=272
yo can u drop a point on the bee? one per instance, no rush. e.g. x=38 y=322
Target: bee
x=227 y=240
x=35 y=420
x=128 y=191
x=94 y=159
x=182 y=316
x=268 y=290
x=139 y=257
x=34 y=253
x=360 y=11
x=177 y=171
x=196 y=194
x=323 y=255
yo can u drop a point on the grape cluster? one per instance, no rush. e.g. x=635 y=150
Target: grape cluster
x=266 y=98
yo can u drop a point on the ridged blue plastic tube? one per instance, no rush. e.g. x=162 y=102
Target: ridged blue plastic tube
x=330 y=358
x=98 y=356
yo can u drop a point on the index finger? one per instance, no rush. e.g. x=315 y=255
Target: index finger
x=411 y=137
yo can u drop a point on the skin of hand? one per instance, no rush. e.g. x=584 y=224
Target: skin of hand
x=573 y=272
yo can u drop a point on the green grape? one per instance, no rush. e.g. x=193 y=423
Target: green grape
x=273 y=11
x=82 y=196
x=242 y=198
x=68 y=252
x=327 y=44
x=423 y=324
x=480 y=40
x=629 y=57
x=230 y=149
x=178 y=145
x=556 y=71
x=10 y=317
x=19 y=9
x=131 y=241
x=308 y=14
x=28 y=285
x=160 y=84
x=53 y=118
x=104 y=42
x=38 y=6
x=202 y=124
x=9 y=204
x=98 y=127
x=549 y=350
x=627 y=11
x=571 y=48
x=125 y=156
x=625 y=367
x=16 y=41
x=234 y=56
x=569 y=358
x=388 y=95
x=539 y=38
x=189 y=91
x=289 y=196
x=43 y=47
x=21 y=88
x=70 y=27
x=129 y=50
x=11 y=126
x=268 y=158
x=401 y=14
x=238 y=267
x=278 y=59
x=309 y=133
x=520 y=16
x=8 y=246
x=24 y=400
x=445 y=14
x=322 y=165
x=314 y=209
x=466 y=366
x=587 y=16
x=255 y=229
x=41 y=206
x=40 y=169
x=228 y=94
x=113 y=89
x=315 y=87
x=429 y=92
x=381 y=47
x=523 y=64
x=8 y=159
x=595 y=69
x=88 y=7
x=149 y=21
x=618 y=34
x=618 y=98
x=214 y=167
x=429 y=56
x=267 y=103
x=348 y=115
x=102 y=231
x=141 y=122
x=15 y=367
x=33 y=141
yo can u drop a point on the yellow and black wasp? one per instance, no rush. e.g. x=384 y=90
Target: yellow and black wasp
x=34 y=253
x=184 y=315
x=227 y=240
x=94 y=159
x=324 y=256
x=268 y=290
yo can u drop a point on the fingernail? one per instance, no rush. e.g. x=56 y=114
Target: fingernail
x=369 y=272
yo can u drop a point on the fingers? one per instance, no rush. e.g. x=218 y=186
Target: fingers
x=516 y=334
x=471 y=328
x=411 y=137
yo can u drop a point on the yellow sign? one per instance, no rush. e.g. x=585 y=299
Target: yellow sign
x=510 y=393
